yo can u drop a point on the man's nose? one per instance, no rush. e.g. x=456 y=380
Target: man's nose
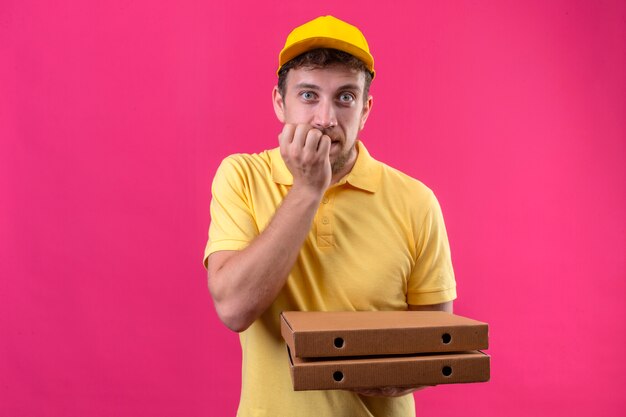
x=325 y=115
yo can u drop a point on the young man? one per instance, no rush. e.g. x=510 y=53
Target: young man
x=318 y=224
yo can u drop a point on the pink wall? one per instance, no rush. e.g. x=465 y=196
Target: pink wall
x=114 y=116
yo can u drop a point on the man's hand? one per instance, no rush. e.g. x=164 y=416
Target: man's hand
x=388 y=391
x=245 y=283
x=306 y=151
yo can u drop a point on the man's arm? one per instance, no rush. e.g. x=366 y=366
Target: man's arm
x=244 y=283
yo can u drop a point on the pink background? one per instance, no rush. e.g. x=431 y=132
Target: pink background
x=114 y=116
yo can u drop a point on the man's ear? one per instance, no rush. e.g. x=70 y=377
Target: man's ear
x=367 y=107
x=279 y=104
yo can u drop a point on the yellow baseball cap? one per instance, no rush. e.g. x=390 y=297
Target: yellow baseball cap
x=326 y=32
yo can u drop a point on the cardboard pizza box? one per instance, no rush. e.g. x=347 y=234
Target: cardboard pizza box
x=316 y=334
x=389 y=371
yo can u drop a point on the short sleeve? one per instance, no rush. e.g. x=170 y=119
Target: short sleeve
x=432 y=278
x=233 y=225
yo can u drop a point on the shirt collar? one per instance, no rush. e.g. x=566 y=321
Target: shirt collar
x=365 y=173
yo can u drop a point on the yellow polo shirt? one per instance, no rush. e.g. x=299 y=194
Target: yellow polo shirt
x=378 y=242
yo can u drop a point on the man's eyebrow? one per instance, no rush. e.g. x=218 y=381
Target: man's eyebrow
x=350 y=87
x=308 y=86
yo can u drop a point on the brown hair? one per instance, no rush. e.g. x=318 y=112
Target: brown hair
x=322 y=58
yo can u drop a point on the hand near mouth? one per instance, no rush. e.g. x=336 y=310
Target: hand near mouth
x=306 y=152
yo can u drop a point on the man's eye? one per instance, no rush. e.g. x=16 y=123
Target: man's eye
x=307 y=95
x=346 y=98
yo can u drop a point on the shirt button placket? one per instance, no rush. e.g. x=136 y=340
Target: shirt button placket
x=324 y=223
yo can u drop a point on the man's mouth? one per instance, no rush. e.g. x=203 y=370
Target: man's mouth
x=334 y=140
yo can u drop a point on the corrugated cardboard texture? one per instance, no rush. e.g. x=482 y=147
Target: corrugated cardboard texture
x=399 y=371
x=315 y=334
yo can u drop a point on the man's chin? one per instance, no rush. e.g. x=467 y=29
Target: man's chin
x=338 y=162
x=336 y=152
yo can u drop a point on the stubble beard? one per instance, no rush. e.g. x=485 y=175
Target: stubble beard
x=338 y=164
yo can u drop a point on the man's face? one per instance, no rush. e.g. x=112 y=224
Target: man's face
x=330 y=99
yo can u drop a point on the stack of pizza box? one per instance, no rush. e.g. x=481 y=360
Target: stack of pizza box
x=376 y=349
